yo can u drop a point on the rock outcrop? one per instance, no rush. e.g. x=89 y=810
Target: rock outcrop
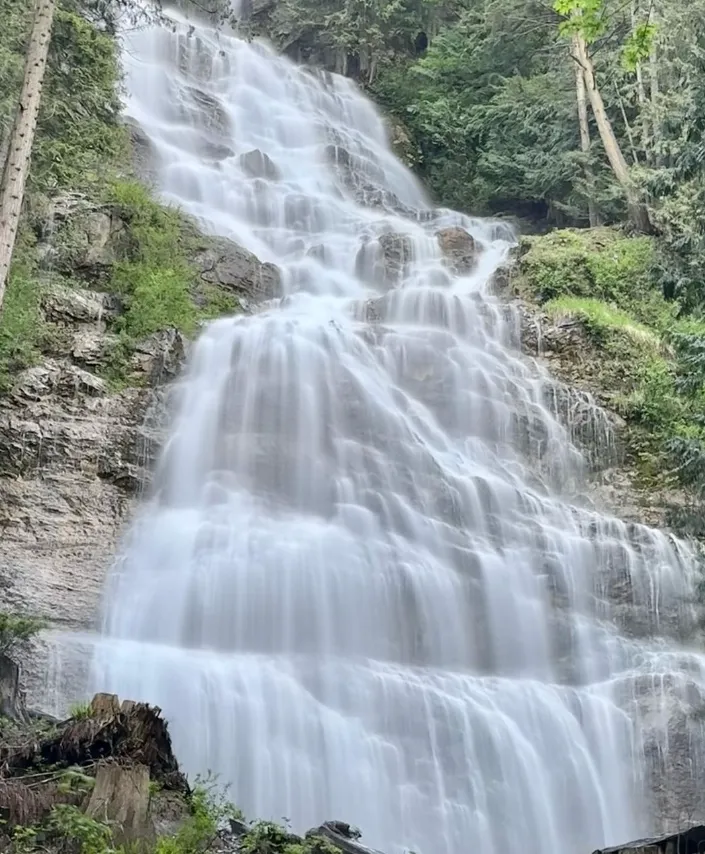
x=459 y=248
x=77 y=447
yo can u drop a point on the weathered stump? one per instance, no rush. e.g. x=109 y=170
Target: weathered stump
x=120 y=798
x=11 y=698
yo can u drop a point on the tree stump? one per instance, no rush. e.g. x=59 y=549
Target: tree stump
x=120 y=798
x=104 y=706
x=11 y=698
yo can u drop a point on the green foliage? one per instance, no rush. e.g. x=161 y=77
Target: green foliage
x=24 y=840
x=586 y=17
x=210 y=810
x=647 y=364
x=603 y=319
x=638 y=45
x=267 y=837
x=217 y=302
x=21 y=322
x=364 y=33
x=78 y=132
x=67 y=822
x=601 y=264
x=16 y=630
x=209 y=813
x=156 y=279
x=80 y=711
x=635 y=365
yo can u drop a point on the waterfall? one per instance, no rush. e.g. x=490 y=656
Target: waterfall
x=360 y=586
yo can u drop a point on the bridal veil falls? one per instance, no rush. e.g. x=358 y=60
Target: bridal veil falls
x=361 y=586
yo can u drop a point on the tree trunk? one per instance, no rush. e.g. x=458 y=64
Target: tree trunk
x=581 y=96
x=641 y=95
x=654 y=95
x=16 y=166
x=635 y=205
x=11 y=696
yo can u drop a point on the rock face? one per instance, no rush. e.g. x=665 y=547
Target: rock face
x=80 y=238
x=76 y=452
x=222 y=262
x=685 y=840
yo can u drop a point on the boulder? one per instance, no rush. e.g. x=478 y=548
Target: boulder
x=207 y=111
x=257 y=164
x=91 y=348
x=459 y=249
x=382 y=261
x=225 y=264
x=397 y=251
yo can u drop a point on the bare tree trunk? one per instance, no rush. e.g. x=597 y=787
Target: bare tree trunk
x=593 y=215
x=16 y=167
x=654 y=93
x=637 y=210
x=641 y=96
x=627 y=126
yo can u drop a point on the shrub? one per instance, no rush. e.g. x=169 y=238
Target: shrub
x=16 y=630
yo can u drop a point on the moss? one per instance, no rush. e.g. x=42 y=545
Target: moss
x=601 y=264
x=217 y=302
x=21 y=321
x=602 y=320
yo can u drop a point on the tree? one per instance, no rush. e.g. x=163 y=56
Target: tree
x=586 y=22
x=21 y=139
x=584 y=125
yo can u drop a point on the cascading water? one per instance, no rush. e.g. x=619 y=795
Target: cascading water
x=355 y=589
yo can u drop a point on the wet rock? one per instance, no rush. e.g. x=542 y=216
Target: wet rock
x=65 y=305
x=161 y=356
x=207 y=112
x=222 y=262
x=144 y=156
x=257 y=164
x=216 y=151
x=401 y=142
x=459 y=248
x=91 y=348
x=81 y=238
x=360 y=174
x=397 y=251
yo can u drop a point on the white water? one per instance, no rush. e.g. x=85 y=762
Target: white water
x=355 y=590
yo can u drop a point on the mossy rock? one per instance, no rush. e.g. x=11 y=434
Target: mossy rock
x=600 y=264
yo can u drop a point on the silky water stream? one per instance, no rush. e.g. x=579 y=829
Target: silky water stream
x=358 y=586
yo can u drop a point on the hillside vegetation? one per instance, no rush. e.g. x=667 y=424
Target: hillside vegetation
x=81 y=164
